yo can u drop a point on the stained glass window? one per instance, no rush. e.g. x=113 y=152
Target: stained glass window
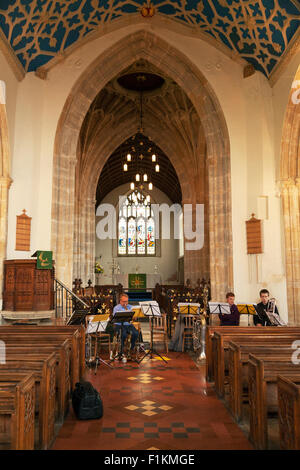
x=136 y=227
x=150 y=237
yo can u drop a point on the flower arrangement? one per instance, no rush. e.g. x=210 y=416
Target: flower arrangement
x=98 y=268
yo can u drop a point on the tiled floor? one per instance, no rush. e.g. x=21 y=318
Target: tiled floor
x=154 y=406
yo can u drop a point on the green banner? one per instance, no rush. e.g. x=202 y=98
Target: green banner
x=137 y=281
x=44 y=260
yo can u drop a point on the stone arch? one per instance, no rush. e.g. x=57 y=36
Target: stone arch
x=177 y=66
x=290 y=196
x=5 y=180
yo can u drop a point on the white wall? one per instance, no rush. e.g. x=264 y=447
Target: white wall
x=169 y=249
x=248 y=106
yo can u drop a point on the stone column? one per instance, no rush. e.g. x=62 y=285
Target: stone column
x=290 y=193
x=63 y=224
x=5 y=183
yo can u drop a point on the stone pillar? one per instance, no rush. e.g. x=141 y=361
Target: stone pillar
x=63 y=220
x=290 y=193
x=5 y=183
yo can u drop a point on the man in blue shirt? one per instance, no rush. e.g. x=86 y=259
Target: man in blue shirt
x=127 y=327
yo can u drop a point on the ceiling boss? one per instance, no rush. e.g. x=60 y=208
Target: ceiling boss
x=147 y=10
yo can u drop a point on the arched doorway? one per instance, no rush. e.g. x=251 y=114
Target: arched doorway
x=290 y=195
x=73 y=206
x=5 y=180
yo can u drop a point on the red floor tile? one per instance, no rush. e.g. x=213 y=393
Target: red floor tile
x=181 y=410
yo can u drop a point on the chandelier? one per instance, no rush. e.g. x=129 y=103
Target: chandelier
x=137 y=155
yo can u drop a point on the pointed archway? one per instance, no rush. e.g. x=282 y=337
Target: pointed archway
x=290 y=195
x=173 y=63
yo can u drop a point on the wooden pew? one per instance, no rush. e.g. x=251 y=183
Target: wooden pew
x=220 y=348
x=289 y=412
x=262 y=378
x=239 y=351
x=17 y=403
x=28 y=337
x=241 y=330
x=44 y=372
x=74 y=332
x=62 y=368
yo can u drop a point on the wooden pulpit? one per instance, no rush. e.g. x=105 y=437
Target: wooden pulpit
x=27 y=288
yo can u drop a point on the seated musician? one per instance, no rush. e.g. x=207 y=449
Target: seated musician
x=232 y=318
x=127 y=327
x=261 y=318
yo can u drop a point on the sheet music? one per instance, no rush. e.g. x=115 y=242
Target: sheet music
x=188 y=307
x=96 y=326
x=219 y=307
x=150 y=309
x=275 y=319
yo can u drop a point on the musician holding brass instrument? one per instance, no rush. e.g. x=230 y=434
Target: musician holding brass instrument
x=266 y=311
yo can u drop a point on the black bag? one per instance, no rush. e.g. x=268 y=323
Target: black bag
x=86 y=401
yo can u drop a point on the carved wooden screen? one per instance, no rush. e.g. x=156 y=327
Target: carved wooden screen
x=23 y=232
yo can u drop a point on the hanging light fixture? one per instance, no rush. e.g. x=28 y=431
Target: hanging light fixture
x=140 y=173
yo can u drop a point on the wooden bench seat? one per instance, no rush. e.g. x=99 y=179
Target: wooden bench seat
x=62 y=368
x=17 y=403
x=288 y=390
x=238 y=368
x=50 y=339
x=76 y=333
x=262 y=379
x=236 y=330
x=220 y=349
x=44 y=373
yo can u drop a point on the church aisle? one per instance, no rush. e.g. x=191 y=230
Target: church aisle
x=154 y=406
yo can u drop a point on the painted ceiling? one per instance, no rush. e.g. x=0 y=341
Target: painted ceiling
x=260 y=31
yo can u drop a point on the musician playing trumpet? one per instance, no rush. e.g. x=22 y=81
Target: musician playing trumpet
x=262 y=318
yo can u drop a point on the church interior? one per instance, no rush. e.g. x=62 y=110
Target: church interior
x=150 y=229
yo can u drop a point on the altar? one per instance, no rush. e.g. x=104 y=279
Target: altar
x=151 y=280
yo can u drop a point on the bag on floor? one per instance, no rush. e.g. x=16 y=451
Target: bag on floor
x=86 y=401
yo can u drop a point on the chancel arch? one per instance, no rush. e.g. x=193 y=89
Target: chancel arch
x=74 y=199
x=290 y=195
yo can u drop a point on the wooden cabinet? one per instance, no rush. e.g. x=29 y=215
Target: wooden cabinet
x=27 y=288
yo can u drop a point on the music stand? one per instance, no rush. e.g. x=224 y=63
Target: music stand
x=248 y=309
x=151 y=310
x=187 y=308
x=219 y=308
x=99 y=325
x=122 y=316
x=78 y=317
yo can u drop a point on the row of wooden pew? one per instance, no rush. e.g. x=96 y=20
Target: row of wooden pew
x=41 y=366
x=253 y=371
